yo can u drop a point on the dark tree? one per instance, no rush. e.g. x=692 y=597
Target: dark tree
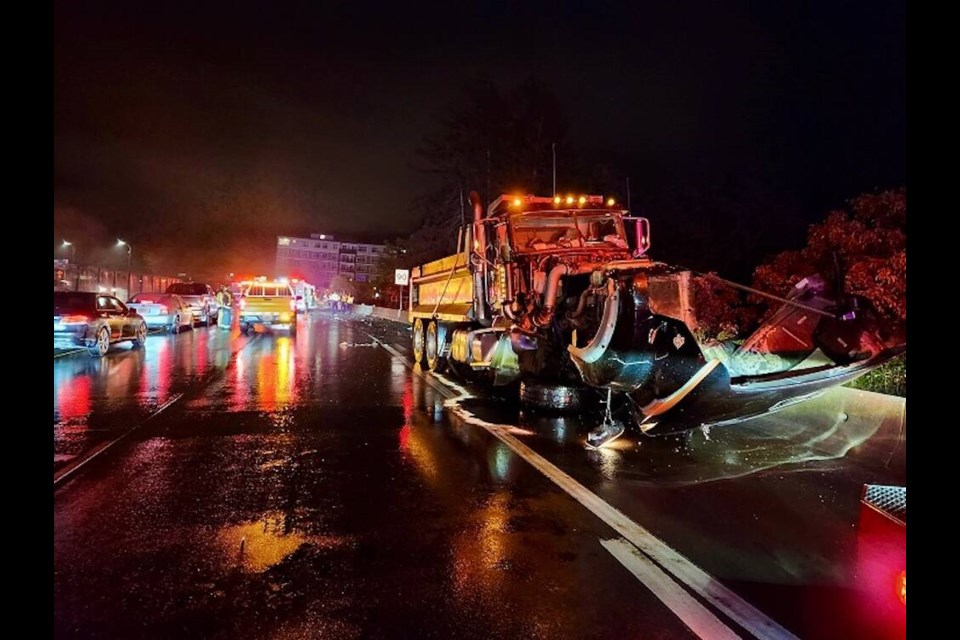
x=869 y=240
x=493 y=141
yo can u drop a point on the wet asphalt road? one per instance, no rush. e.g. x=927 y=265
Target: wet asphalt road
x=317 y=488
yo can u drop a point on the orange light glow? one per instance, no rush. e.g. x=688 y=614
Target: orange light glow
x=569 y=199
x=557 y=199
x=517 y=202
x=610 y=202
x=902 y=587
x=583 y=200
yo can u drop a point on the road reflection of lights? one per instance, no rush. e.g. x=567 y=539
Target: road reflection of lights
x=607 y=459
x=501 y=461
x=266 y=383
x=72 y=396
x=238 y=397
x=157 y=371
x=258 y=545
x=479 y=553
x=415 y=448
x=407 y=402
x=560 y=430
x=286 y=371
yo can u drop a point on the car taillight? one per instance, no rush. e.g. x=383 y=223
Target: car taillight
x=243 y=303
x=76 y=319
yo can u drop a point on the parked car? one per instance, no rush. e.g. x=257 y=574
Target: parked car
x=94 y=321
x=200 y=297
x=164 y=310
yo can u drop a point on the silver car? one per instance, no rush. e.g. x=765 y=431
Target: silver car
x=163 y=310
x=200 y=298
x=94 y=321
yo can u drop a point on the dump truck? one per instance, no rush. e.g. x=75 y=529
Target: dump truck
x=560 y=295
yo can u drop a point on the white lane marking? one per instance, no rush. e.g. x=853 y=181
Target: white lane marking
x=60 y=476
x=681 y=568
x=697 y=617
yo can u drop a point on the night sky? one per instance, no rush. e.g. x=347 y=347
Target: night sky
x=199 y=131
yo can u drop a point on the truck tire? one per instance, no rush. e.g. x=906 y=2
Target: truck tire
x=433 y=347
x=417 y=340
x=555 y=397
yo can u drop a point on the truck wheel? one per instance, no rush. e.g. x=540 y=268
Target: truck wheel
x=418 y=339
x=557 y=397
x=433 y=344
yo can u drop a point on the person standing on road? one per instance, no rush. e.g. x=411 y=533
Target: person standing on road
x=225 y=301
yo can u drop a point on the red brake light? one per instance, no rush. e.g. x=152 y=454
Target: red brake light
x=75 y=319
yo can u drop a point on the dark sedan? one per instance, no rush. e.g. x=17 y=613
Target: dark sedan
x=94 y=321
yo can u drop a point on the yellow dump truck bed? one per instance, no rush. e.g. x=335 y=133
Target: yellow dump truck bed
x=443 y=289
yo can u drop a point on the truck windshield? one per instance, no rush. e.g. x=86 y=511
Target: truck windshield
x=539 y=232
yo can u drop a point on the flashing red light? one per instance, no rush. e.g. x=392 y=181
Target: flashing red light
x=902 y=587
x=74 y=319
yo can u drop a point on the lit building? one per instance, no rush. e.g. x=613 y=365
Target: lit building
x=320 y=258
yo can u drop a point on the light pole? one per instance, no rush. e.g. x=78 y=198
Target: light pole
x=121 y=243
x=73 y=250
x=73 y=261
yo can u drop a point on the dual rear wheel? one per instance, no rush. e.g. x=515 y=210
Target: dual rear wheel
x=427 y=343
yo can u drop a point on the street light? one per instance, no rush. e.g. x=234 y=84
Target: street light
x=121 y=243
x=73 y=261
x=73 y=250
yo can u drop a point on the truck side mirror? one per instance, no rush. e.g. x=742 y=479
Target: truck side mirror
x=638 y=235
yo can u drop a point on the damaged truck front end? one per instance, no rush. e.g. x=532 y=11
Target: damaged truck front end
x=559 y=293
x=647 y=348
